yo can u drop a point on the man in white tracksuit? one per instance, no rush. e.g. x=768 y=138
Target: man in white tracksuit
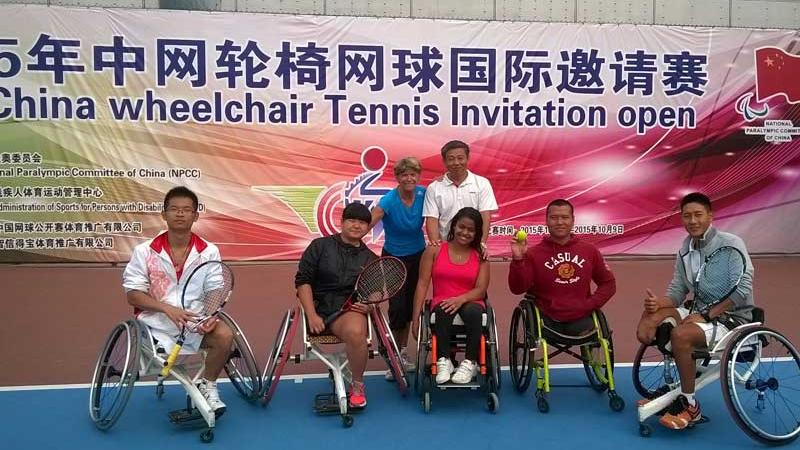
x=154 y=280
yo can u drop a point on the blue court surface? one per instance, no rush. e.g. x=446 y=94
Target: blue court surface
x=579 y=418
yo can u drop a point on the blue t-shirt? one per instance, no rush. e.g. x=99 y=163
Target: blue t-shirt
x=403 y=224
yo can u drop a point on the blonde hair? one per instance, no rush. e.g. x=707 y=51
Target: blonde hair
x=407 y=163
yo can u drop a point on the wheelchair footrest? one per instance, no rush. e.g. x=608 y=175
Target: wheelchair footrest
x=184 y=416
x=329 y=404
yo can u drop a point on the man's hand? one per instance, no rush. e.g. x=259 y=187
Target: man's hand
x=362 y=308
x=208 y=326
x=452 y=305
x=518 y=248
x=315 y=323
x=179 y=316
x=650 y=302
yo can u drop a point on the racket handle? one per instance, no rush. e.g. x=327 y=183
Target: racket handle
x=171 y=360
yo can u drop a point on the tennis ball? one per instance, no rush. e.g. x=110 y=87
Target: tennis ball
x=521 y=235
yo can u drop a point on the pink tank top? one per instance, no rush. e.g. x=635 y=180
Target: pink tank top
x=450 y=279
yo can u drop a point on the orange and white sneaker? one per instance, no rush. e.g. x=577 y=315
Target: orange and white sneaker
x=358 y=395
x=683 y=415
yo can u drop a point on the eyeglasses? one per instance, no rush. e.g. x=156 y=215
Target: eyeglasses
x=176 y=210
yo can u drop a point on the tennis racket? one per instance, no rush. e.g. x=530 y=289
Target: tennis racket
x=718 y=278
x=214 y=281
x=379 y=281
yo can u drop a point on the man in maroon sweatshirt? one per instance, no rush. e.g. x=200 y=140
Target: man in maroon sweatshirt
x=558 y=272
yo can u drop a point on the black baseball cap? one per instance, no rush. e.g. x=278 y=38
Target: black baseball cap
x=357 y=211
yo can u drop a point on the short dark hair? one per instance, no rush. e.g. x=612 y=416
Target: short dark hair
x=357 y=211
x=475 y=216
x=452 y=145
x=181 y=191
x=560 y=202
x=696 y=197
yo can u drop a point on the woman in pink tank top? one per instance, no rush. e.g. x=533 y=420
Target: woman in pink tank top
x=460 y=278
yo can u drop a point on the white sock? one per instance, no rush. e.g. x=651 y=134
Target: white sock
x=689 y=398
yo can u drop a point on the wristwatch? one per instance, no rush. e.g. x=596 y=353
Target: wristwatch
x=706 y=317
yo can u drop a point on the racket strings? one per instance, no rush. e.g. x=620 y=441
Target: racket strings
x=720 y=275
x=382 y=279
x=217 y=285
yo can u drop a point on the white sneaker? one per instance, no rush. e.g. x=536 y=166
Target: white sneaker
x=465 y=372
x=444 y=368
x=211 y=394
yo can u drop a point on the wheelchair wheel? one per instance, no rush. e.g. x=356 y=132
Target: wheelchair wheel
x=494 y=358
x=281 y=349
x=594 y=359
x=760 y=379
x=241 y=364
x=387 y=347
x=423 y=348
x=594 y=365
x=654 y=373
x=520 y=342
x=114 y=375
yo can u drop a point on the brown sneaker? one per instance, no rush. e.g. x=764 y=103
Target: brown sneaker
x=683 y=415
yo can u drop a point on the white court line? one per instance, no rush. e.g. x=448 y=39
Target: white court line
x=299 y=378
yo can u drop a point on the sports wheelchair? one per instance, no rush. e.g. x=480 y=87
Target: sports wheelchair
x=338 y=370
x=130 y=353
x=529 y=353
x=427 y=354
x=759 y=370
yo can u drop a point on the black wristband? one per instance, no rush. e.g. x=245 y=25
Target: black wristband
x=706 y=317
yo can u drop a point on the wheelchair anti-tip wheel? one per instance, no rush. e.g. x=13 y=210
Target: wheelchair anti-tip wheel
x=115 y=373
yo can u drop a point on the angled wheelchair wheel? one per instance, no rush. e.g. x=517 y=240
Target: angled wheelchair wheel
x=423 y=347
x=520 y=341
x=760 y=379
x=493 y=354
x=241 y=363
x=115 y=373
x=654 y=373
x=279 y=355
x=595 y=365
x=387 y=347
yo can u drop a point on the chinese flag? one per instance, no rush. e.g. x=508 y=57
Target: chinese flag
x=776 y=74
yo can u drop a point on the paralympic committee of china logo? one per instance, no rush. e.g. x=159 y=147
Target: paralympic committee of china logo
x=776 y=76
x=320 y=207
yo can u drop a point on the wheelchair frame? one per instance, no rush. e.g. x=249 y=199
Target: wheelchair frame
x=524 y=366
x=144 y=358
x=726 y=353
x=337 y=363
x=489 y=376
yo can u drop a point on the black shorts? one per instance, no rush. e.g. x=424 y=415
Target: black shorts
x=401 y=306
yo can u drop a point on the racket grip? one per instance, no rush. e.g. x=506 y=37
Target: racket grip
x=170 y=360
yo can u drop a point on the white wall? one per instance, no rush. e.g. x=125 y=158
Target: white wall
x=720 y=13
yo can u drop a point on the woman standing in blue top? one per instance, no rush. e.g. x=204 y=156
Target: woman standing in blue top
x=401 y=212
